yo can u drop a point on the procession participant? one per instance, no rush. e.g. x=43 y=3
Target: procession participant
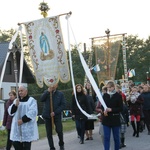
x=135 y=102
x=145 y=96
x=89 y=124
x=58 y=106
x=111 y=116
x=77 y=114
x=7 y=120
x=24 y=126
x=99 y=110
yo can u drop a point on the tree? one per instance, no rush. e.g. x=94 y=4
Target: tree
x=5 y=36
x=137 y=53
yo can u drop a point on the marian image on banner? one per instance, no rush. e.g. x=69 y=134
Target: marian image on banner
x=47 y=51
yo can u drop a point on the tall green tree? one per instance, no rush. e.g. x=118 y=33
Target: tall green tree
x=137 y=54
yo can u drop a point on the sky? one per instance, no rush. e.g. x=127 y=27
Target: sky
x=90 y=18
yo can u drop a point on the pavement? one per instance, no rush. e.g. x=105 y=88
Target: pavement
x=72 y=142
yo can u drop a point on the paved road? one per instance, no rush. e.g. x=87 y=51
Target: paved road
x=72 y=142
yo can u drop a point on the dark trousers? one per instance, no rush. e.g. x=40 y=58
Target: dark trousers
x=9 y=142
x=80 y=126
x=58 y=128
x=22 y=145
x=116 y=136
x=147 y=118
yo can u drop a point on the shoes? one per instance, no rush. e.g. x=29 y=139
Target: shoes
x=52 y=148
x=81 y=142
x=134 y=133
x=90 y=138
x=62 y=148
x=122 y=145
x=148 y=132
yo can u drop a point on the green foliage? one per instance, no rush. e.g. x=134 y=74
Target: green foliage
x=3 y=137
x=138 y=54
x=6 y=36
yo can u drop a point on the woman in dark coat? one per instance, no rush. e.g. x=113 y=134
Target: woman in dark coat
x=7 y=120
x=89 y=125
x=145 y=96
x=77 y=115
x=135 y=102
x=111 y=116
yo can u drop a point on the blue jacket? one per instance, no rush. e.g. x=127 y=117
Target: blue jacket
x=58 y=100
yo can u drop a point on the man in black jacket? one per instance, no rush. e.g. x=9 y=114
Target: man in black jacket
x=52 y=112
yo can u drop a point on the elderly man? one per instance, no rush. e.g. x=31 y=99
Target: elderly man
x=24 y=126
x=52 y=112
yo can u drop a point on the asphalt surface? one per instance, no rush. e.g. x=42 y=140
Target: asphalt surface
x=72 y=142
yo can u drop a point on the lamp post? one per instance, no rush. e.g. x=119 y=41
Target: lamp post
x=147 y=77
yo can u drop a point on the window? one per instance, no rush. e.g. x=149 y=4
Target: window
x=8 y=70
x=13 y=88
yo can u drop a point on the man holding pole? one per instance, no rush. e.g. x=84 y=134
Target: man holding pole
x=24 y=128
x=54 y=104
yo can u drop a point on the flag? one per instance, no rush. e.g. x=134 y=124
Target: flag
x=128 y=72
x=96 y=68
x=131 y=73
x=47 y=51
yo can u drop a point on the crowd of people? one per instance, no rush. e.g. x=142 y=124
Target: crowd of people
x=124 y=107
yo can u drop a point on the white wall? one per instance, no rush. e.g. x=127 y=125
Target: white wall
x=6 y=88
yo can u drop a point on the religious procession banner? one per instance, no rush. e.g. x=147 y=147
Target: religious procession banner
x=47 y=51
x=106 y=54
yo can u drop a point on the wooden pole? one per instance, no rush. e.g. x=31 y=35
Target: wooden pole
x=70 y=13
x=109 y=35
x=14 y=50
x=51 y=108
x=108 y=53
x=65 y=14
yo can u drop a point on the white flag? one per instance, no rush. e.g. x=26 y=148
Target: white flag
x=96 y=68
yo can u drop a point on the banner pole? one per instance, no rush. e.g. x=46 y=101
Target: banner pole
x=69 y=13
x=51 y=108
x=14 y=50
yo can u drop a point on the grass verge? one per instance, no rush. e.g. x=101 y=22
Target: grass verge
x=68 y=125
